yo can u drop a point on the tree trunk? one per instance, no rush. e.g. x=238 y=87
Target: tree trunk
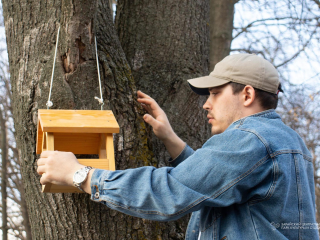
x=4 y=155
x=25 y=214
x=221 y=27
x=167 y=52
x=166 y=43
x=31 y=29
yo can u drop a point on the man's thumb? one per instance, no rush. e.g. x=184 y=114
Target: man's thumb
x=149 y=119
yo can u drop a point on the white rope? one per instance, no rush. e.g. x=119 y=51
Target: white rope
x=100 y=100
x=49 y=103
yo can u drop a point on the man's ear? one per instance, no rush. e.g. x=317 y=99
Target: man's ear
x=248 y=95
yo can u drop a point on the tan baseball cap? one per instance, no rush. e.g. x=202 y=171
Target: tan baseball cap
x=247 y=69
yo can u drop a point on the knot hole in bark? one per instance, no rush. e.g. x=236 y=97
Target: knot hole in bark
x=68 y=66
x=81 y=47
x=70 y=63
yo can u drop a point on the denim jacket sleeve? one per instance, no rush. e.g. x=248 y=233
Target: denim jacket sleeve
x=219 y=174
x=186 y=152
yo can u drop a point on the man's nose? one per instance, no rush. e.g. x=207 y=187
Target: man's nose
x=207 y=105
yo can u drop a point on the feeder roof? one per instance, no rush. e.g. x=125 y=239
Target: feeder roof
x=77 y=121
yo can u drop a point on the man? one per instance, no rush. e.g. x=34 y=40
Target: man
x=253 y=179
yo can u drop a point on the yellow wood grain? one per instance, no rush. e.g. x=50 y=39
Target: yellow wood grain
x=78 y=143
x=39 y=139
x=49 y=138
x=102 y=149
x=50 y=141
x=80 y=132
x=44 y=142
x=96 y=163
x=110 y=151
x=84 y=121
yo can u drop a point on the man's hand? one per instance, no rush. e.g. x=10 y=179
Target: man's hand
x=160 y=124
x=57 y=167
x=156 y=117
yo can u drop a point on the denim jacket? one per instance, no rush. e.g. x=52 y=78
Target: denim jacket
x=253 y=181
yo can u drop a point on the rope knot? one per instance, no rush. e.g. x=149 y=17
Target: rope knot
x=49 y=104
x=100 y=100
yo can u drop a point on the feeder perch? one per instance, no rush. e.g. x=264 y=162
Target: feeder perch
x=79 y=132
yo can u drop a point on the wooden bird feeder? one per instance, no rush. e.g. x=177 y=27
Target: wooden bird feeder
x=79 y=132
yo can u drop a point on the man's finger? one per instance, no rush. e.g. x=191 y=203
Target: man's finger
x=145 y=106
x=41 y=170
x=141 y=94
x=46 y=154
x=150 y=103
x=41 y=161
x=150 y=120
x=146 y=100
x=43 y=179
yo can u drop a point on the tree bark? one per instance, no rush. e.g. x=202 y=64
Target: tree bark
x=221 y=27
x=4 y=156
x=25 y=214
x=31 y=29
x=164 y=50
x=166 y=43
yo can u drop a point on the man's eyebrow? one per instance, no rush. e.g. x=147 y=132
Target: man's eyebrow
x=214 y=88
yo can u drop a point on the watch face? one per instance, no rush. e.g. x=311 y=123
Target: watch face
x=79 y=176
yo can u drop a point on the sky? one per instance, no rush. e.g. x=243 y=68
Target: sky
x=287 y=27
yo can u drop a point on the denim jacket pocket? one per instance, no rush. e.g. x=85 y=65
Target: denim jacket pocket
x=209 y=222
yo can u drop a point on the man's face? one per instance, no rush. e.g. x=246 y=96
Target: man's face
x=223 y=108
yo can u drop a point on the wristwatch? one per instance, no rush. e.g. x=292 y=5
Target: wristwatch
x=80 y=176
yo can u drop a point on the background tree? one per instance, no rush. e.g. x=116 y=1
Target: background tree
x=4 y=156
x=15 y=218
x=221 y=29
x=14 y=210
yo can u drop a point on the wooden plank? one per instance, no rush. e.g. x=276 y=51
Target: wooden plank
x=102 y=149
x=39 y=138
x=78 y=143
x=95 y=163
x=84 y=121
x=63 y=189
x=49 y=147
x=110 y=152
x=46 y=187
x=50 y=141
x=44 y=142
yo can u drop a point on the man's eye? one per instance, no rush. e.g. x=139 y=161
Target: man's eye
x=213 y=93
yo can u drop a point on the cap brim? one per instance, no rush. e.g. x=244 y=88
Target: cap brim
x=200 y=85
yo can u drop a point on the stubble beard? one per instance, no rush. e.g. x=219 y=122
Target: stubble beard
x=229 y=120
